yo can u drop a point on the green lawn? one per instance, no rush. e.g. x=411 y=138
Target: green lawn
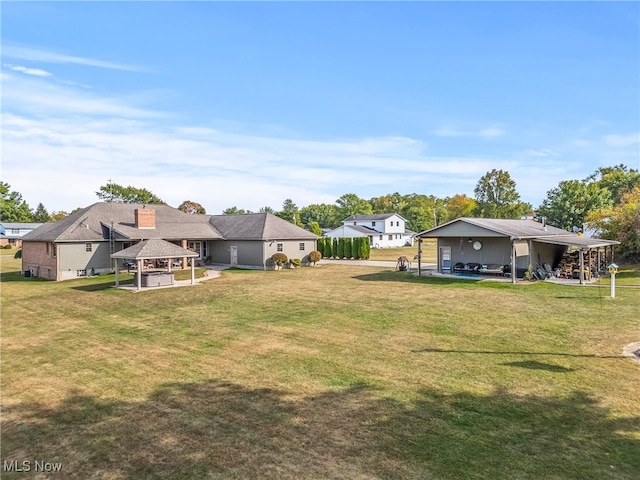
x=391 y=254
x=326 y=372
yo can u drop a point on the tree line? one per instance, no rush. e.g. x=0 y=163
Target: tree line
x=607 y=201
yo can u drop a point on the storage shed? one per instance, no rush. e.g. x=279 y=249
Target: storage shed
x=509 y=247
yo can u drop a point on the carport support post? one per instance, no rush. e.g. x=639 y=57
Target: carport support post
x=581 y=267
x=115 y=266
x=193 y=271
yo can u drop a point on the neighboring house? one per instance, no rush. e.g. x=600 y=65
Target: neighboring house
x=495 y=243
x=84 y=241
x=12 y=233
x=384 y=230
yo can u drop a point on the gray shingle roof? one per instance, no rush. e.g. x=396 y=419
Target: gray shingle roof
x=375 y=216
x=92 y=224
x=21 y=225
x=153 y=248
x=507 y=227
x=520 y=229
x=258 y=226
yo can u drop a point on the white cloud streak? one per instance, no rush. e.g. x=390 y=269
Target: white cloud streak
x=490 y=132
x=47 y=56
x=60 y=144
x=29 y=71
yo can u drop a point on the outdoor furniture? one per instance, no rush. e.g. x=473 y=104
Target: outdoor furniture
x=466 y=268
x=491 y=269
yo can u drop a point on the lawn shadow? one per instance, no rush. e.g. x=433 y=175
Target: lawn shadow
x=534 y=365
x=508 y=352
x=408 y=277
x=18 y=276
x=215 y=429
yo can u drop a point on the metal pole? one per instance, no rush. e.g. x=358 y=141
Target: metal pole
x=419 y=256
x=514 y=270
x=581 y=267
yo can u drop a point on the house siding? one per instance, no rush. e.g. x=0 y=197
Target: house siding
x=250 y=252
x=291 y=248
x=74 y=258
x=494 y=251
x=37 y=258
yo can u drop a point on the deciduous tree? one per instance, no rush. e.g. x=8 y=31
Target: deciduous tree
x=191 y=208
x=497 y=196
x=12 y=207
x=112 y=192
x=621 y=223
x=350 y=204
x=568 y=205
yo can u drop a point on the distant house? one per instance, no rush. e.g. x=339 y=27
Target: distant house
x=12 y=233
x=502 y=245
x=384 y=230
x=84 y=241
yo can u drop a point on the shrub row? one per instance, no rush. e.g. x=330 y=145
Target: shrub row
x=280 y=259
x=357 y=248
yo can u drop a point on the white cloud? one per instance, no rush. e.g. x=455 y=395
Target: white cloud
x=490 y=132
x=39 y=97
x=29 y=71
x=71 y=141
x=542 y=152
x=622 y=140
x=37 y=54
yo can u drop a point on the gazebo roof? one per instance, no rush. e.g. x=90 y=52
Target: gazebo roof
x=153 y=248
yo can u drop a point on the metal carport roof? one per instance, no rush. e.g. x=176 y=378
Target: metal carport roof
x=576 y=241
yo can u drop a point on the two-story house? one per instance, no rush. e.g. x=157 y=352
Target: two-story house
x=384 y=230
x=12 y=233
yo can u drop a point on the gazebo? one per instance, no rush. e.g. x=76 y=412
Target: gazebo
x=152 y=249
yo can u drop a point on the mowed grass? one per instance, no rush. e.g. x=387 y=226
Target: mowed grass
x=429 y=252
x=326 y=372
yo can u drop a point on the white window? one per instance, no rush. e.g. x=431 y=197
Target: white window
x=380 y=237
x=390 y=237
x=195 y=247
x=88 y=247
x=373 y=224
x=54 y=250
x=15 y=231
x=301 y=246
x=279 y=247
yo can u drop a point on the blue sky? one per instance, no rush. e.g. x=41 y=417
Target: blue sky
x=250 y=103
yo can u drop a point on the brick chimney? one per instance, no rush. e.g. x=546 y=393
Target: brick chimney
x=145 y=217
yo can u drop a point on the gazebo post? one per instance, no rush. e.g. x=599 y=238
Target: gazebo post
x=139 y=275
